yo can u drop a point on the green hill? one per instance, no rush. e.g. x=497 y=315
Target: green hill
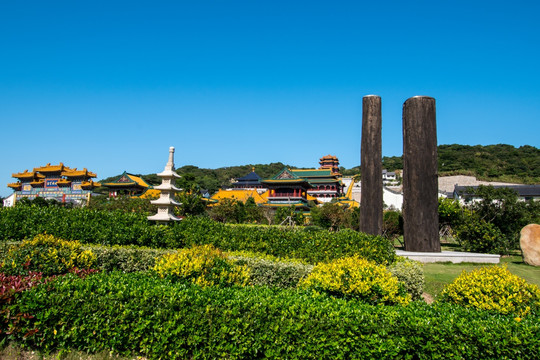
x=492 y=162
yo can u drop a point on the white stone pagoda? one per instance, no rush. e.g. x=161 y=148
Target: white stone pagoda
x=166 y=201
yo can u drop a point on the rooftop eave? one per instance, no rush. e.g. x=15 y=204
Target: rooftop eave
x=169 y=173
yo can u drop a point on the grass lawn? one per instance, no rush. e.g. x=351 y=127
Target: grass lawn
x=439 y=274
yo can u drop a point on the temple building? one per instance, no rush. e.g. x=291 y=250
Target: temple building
x=300 y=188
x=128 y=184
x=326 y=185
x=250 y=181
x=57 y=182
x=329 y=162
x=288 y=189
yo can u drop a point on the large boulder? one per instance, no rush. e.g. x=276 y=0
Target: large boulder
x=530 y=244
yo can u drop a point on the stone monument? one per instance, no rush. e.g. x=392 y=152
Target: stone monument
x=166 y=201
x=420 y=194
x=371 y=202
x=530 y=244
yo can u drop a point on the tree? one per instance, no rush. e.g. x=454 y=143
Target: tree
x=392 y=224
x=450 y=213
x=496 y=220
x=192 y=203
x=283 y=213
x=253 y=211
x=332 y=216
x=228 y=210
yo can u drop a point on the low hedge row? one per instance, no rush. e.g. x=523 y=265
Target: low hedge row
x=264 y=270
x=118 y=228
x=136 y=314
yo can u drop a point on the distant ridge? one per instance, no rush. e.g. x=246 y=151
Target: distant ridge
x=501 y=163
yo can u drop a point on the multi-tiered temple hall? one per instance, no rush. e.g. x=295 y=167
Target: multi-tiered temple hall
x=57 y=182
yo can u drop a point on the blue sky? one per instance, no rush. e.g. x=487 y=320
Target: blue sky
x=110 y=85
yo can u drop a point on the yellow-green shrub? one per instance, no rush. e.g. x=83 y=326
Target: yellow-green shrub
x=202 y=265
x=47 y=254
x=356 y=278
x=493 y=288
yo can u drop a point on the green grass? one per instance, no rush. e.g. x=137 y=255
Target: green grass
x=437 y=275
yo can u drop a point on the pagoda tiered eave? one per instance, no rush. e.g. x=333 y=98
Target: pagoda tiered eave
x=168 y=173
x=165 y=201
x=163 y=217
x=169 y=187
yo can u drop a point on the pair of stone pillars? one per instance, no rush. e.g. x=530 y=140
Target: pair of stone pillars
x=420 y=203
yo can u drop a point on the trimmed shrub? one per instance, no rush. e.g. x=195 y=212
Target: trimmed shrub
x=118 y=228
x=270 y=271
x=133 y=314
x=411 y=274
x=202 y=265
x=125 y=258
x=88 y=226
x=310 y=246
x=46 y=254
x=493 y=288
x=356 y=278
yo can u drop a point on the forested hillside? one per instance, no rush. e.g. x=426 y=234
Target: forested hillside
x=213 y=179
x=492 y=162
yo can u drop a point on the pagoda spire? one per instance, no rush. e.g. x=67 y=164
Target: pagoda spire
x=166 y=201
x=170 y=163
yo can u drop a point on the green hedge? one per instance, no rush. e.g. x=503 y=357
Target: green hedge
x=135 y=314
x=86 y=225
x=119 y=228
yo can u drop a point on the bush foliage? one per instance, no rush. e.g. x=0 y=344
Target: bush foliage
x=202 y=265
x=126 y=259
x=493 y=288
x=411 y=274
x=135 y=314
x=356 y=278
x=271 y=271
x=46 y=254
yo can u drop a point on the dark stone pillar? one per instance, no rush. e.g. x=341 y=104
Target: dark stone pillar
x=371 y=203
x=420 y=204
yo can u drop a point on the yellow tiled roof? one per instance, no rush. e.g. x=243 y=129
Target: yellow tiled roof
x=90 y=183
x=241 y=195
x=16 y=185
x=138 y=180
x=26 y=174
x=150 y=194
x=52 y=168
x=75 y=172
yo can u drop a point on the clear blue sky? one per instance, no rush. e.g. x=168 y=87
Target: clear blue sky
x=110 y=85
